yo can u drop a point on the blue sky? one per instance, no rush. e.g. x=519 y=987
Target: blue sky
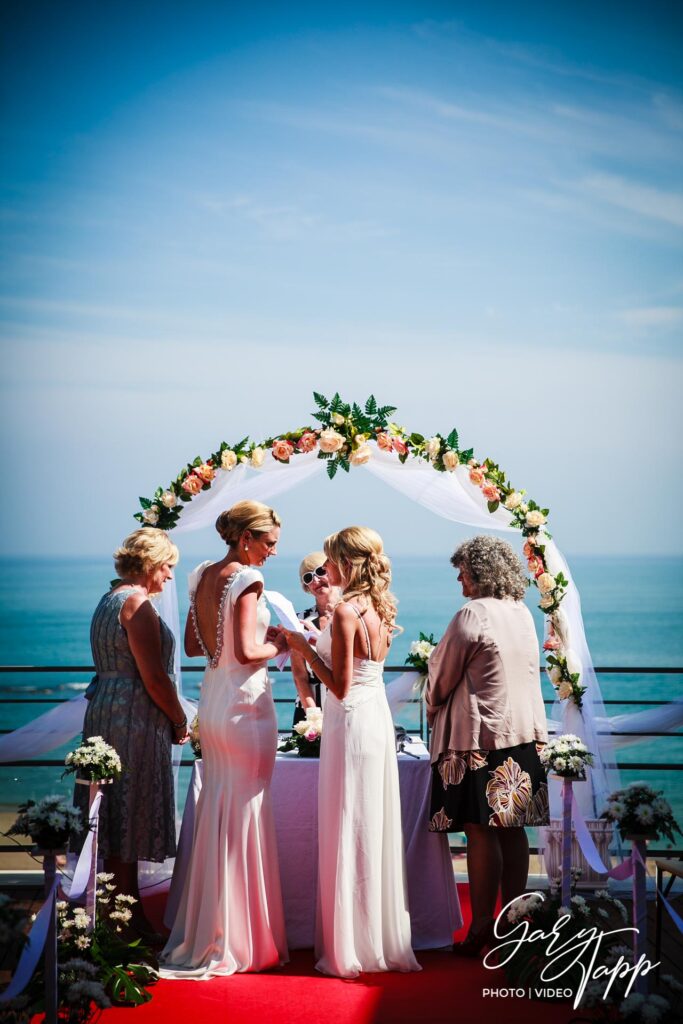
x=471 y=210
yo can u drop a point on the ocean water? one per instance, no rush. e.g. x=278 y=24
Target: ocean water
x=633 y=614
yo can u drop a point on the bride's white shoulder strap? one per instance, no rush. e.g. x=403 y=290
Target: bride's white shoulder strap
x=194 y=577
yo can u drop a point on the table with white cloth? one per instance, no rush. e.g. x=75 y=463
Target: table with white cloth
x=432 y=895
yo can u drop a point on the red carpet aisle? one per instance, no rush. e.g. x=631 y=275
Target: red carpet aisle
x=447 y=991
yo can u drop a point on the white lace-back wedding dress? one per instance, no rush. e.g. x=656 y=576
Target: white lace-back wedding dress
x=230 y=916
x=363 y=922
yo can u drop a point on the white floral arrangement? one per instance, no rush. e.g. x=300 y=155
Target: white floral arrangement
x=566 y=755
x=94 y=760
x=418 y=657
x=49 y=822
x=641 y=810
x=306 y=735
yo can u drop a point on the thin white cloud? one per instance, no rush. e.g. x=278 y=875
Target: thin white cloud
x=652 y=317
x=644 y=200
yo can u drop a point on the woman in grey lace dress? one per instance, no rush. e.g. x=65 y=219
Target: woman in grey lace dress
x=134 y=707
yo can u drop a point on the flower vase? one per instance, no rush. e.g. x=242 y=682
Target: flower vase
x=601 y=832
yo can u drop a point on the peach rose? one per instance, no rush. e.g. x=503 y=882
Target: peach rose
x=400 y=446
x=192 y=484
x=282 y=450
x=547 y=601
x=205 y=472
x=451 y=460
x=477 y=476
x=257 y=457
x=535 y=518
x=536 y=566
x=565 y=690
x=433 y=446
x=555 y=675
x=490 y=492
x=361 y=455
x=168 y=499
x=228 y=459
x=384 y=442
x=552 y=643
x=546 y=582
x=307 y=442
x=330 y=441
x=151 y=516
x=528 y=549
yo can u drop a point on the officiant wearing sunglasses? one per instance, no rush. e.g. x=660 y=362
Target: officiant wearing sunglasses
x=314 y=581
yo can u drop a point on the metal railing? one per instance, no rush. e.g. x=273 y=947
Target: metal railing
x=187 y=762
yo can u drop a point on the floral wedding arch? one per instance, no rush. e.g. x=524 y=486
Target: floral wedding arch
x=437 y=473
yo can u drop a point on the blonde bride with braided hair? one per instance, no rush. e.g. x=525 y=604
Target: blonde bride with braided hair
x=363 y=922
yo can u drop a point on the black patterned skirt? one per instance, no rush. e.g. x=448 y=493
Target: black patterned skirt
x=504 y=788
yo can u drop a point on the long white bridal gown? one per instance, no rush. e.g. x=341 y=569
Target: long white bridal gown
x=230 y=916
x=363 y=922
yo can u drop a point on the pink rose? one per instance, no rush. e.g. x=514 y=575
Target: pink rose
x=282 y=450
x=400 y=446
x=192 y=484
x=528 y=550
x=311 y=735
x=384 y=442
x=477 y=476
x=205 y=472
x=331 y=440
x=307 y=442
x=536 y=566
x=491 y=492
x=552 y=643
x=360 y=455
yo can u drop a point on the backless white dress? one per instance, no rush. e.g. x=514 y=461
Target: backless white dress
x=230 y=916
x=362 y=922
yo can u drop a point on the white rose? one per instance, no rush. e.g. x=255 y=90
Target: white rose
x=535 y=518
x=432 y=446
x=547 y=601
x=546 y=582
x=228 y=459
x=257 y=457
x=330 y=441
x=565 y=690
x=555 y=675
x=513 y=501
x=301 y=727
x=337 y=419
x=451 y=461
x=361 y=455
x=150 y=516
x=168 y=499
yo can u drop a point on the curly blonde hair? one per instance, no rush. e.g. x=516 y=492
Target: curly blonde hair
x=365 y=569
x=495 y=569
x=142 y=551
x=253 y=516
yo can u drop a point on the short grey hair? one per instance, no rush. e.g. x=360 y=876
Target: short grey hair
x=495 y=569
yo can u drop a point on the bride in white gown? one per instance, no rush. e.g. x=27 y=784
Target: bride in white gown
x=230 y=916
x=363 y=922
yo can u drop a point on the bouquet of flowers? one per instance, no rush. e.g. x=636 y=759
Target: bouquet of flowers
x=418 y=658
x=641 y=810
x=567 y=756
x=306 y=735
x=94 y=760
x=121 y=968
x=195 y=741
x=49 y=822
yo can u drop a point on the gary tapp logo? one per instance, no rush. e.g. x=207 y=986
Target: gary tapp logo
x=575 y=957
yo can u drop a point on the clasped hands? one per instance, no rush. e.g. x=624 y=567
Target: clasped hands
x=288 y=640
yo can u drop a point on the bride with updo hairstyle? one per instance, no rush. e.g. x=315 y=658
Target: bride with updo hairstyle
x=230 y=916
x=363 y=922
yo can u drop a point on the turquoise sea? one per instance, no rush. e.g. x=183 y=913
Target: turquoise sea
x=633 y=613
